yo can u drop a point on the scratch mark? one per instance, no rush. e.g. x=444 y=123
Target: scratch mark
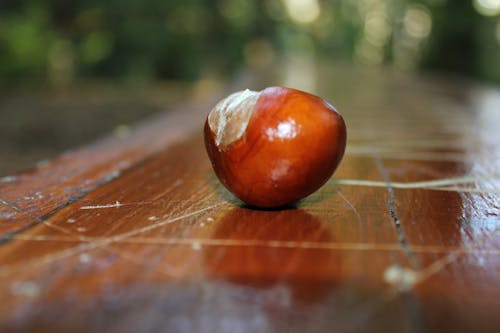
x=447 y=184
x=115 y=205
x=82 y=193
x=465 y=189
x=98 y=243
x=164 y=268
x=56 y=227
x=423 y=156
x=440 y=264
x=391 y=247
x=10 y=205
x=350 y=205
x=408 y=279
x=36 y=220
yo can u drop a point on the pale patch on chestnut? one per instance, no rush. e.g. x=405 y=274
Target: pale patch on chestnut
x=229 y=118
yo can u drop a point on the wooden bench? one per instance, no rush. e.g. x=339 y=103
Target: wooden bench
x=135 y=234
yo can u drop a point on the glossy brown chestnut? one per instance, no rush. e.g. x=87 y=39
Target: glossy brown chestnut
x=274 y=147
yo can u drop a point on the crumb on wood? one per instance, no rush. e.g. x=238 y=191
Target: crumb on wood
x=402 y=278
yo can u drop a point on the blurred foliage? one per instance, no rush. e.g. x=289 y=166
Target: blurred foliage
x=59 y=41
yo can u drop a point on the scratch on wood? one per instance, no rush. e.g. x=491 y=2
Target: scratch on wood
x=115 y=205
x=271 y=243
x=165 y=268
x=438 y=265
x=350 y=205
x=422 y=156
x=36 y=220
x=446 y=184
x=5 y=270
x=10 y=205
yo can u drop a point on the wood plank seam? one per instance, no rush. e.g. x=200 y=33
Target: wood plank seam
x=395 y=219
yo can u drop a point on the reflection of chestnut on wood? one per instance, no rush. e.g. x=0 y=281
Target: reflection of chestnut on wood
x=274 y=147
x=274 y=247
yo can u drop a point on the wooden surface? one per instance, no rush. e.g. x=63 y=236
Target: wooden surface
x=136 y=234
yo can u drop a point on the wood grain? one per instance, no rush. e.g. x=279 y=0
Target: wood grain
x=137 y=234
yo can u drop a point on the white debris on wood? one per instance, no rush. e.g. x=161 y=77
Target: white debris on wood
x=402 y=278
x=196 y=246
x=8 y=179
x=84 y=258
x=25 y=288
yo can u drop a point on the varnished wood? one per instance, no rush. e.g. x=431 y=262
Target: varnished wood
x=137 y=234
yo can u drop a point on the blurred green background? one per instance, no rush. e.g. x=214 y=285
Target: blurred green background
x=60 y=42
x=64 y=64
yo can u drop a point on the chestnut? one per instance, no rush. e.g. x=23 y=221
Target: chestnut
x=273 y=147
